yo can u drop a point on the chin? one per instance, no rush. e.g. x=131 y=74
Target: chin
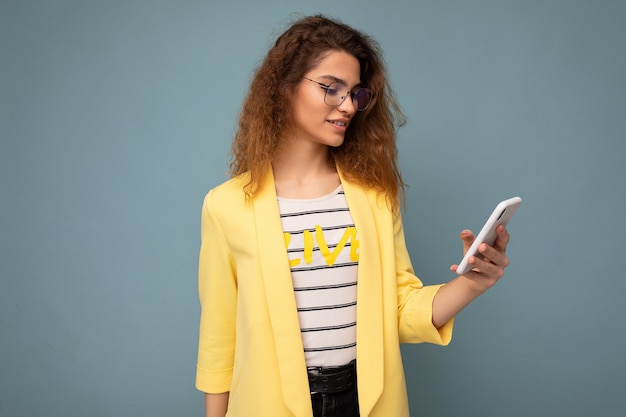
x=336 y=142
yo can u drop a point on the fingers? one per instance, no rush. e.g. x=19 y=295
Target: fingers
x=468 y=238
x=489 y=256
x=493 y=255
x=490 y=261
x=496 y=254
x=490 y=267
x=503 y=238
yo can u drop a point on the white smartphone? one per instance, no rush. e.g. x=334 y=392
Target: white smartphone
x=500 y=215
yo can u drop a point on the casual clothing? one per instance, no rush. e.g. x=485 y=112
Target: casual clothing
x=250 y=341
x=334 y=391
x=344 y=404
x=322 y=247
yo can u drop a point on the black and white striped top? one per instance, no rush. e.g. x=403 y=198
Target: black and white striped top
x=323 y=249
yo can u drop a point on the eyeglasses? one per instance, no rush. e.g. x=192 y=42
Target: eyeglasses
x=336 y=94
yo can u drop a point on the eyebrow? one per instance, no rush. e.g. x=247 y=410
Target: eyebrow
x=339 y=80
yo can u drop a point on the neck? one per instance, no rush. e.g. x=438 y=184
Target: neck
x=305 y=172
x=302 y=159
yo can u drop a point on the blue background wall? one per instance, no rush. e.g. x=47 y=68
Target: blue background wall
x=116 y=118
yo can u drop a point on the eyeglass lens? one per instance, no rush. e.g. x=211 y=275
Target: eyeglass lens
x=336 y=93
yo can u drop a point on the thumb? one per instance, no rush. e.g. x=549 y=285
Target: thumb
x=467 y=236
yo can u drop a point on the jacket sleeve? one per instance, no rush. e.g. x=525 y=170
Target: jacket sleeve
x=217 y=287
x=415 y=301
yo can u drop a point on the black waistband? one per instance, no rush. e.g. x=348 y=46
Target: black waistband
x=333 y=379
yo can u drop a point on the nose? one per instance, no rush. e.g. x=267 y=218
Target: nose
x=347 y=106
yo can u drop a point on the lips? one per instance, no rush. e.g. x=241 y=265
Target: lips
x=342 y=122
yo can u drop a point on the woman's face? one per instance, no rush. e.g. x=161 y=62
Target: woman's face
x=315 y=121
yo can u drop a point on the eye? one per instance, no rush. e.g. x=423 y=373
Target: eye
x=336 y=89
x=362 y=94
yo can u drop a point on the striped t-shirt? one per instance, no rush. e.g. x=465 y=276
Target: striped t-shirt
x=323 y=250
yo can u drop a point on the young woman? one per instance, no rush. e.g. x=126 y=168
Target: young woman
x=305 y=282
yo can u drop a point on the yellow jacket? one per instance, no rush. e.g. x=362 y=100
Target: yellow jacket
x=250 y=341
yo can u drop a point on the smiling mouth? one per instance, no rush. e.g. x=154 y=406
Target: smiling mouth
x=338 y=123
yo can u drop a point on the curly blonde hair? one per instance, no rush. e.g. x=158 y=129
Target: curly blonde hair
x=368 y=155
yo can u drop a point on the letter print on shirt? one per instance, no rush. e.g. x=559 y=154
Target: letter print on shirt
x=323 y=248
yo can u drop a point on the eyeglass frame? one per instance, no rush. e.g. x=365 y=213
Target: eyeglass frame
x=351 y=93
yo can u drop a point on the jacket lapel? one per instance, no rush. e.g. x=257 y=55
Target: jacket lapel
x=281 y=299
x=370 y=355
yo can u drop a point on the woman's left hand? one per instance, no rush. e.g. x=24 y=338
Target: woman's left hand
x=488 y=268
